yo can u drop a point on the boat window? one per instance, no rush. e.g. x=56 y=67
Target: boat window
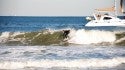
x=107 y=18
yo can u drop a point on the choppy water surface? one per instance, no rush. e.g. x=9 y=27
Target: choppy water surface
x=57 y=57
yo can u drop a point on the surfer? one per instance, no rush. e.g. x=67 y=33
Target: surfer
x=65 y=33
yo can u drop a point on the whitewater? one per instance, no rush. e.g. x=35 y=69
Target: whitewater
x=71 y=57
x=59 y=43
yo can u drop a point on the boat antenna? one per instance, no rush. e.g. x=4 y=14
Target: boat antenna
x=115 y=7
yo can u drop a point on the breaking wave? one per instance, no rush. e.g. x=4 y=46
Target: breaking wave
x=59 y=37
x=91 y=36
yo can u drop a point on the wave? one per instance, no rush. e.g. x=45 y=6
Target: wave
x=63 y=37
x=46 y=63
x=45 y=37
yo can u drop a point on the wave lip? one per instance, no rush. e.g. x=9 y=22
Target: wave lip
x=80 y=63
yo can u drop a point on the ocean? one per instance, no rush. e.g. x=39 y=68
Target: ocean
x=42 y=43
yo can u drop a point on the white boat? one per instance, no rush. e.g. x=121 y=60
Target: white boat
x=106 y=19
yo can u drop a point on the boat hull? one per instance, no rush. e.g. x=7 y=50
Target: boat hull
x=106 y=23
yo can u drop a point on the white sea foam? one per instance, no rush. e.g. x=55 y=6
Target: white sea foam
x=91 y=36
x=16 y=57
x=4 y=36
x=81 y=63
x=17 y=33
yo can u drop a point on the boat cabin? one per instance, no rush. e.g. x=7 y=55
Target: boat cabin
x=103 y=17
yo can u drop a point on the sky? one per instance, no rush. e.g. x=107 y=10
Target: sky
x=51 y=7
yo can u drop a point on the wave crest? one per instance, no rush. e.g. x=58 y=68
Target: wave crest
x=60 y=37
